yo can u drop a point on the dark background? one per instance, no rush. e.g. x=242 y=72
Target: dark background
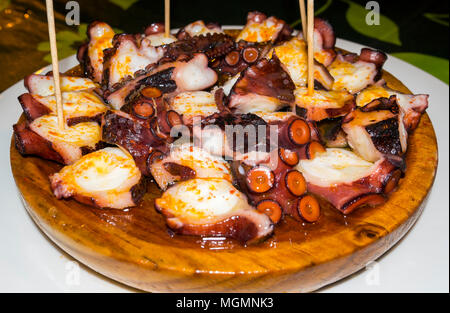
x=23 y=25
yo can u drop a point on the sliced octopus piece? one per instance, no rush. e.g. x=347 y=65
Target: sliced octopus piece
x=128 y=56
x=293 y=56
x=78 y=106
x=90 y=55
x=260 y=28
x=354 y=73
x=44 y=138
x=107 y=178
x=44 y=86
x=212 y=207
x=347 y=181
x=413 y=106
x=323 y=104
x=194 y=104
x=373 y=132
x=186 y=162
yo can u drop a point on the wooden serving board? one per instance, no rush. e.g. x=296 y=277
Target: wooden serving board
x=135 y=247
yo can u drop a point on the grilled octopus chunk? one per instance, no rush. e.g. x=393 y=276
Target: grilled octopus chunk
x=412 y=106
x=376 y=130
x=107 y=178
x=186 y=162
x=293 y=56
x=354 y=73
x=264 y=86
x=212 y=207
x=80 y=102
x=323 y=104
x=347 y=181
x=44 y=138
x=90 y=55
x=194 y=104
x=171 y=78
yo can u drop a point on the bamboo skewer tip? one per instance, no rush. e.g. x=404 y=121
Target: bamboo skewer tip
x=167 y=17
x=55 y=64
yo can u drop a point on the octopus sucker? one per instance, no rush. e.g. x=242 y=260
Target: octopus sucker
x=107 y=178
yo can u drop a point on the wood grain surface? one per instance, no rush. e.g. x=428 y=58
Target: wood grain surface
x=134 y=246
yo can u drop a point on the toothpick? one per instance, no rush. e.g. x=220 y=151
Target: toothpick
x=310 y=32
x=167 y=17
x=303 y=17
x=55 y=64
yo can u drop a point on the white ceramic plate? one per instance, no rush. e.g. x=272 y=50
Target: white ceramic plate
x=30 y=262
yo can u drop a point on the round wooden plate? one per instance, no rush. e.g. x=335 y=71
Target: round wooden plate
x=135 y=247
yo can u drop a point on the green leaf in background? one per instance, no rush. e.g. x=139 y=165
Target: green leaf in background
x=124 y=4
x=436 y=66
x=438 y=18
x=387 y=31
x=67 y=42
x=317 y=12
x=4 y=4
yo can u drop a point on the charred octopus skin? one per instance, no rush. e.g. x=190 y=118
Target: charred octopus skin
x=412 y=106
x=212 y=207
x=224 y=126
x=376 y=130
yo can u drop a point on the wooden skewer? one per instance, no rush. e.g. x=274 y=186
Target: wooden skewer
x=303 y=17
x=167 y=17
x=55 y=64
x=310 y=32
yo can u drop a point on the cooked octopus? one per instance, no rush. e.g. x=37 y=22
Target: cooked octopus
x=107 y=178
x=412 y=106
x=347 y=181
x=44 y=138
x=376 y=130
x=185 y=162
x=212 y=207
